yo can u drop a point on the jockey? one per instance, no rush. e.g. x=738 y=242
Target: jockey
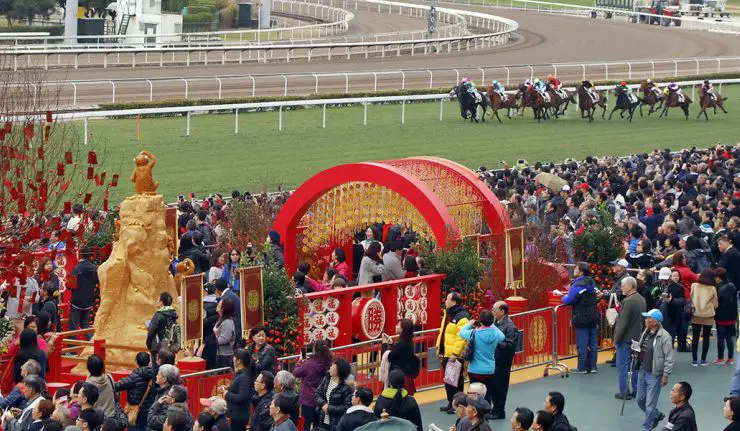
x=622 y=88
x=470 y=87
x=590 y=90
x=587 y=84
x=528 y=83
x=707 y=88
x=553 y=82
x=539 y=86
x=673 y=87
x=498 y=88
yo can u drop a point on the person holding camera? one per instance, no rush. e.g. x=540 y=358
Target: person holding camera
x=483 y=336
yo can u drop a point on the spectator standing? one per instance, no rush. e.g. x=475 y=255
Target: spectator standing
x=279 y=407
x=338 y=262
x=449 y=343
x=688 y=277
x=210 y=317
x=311 y=371
x=484 y=337
x=672 y=300
x=285 y=385
x=555 y=405
x=83 y=292
x=705 y=302
x=104 y=382
x=334 y=396
x=392 y=264
x=223 y=292
x=620 y=273
x=725 y=317
x=215 y=407
x=360 y=413
x=261 y=400
x=275 y=250
x=225 y=332
x=263 y=355
x=504 y=358
x=582 y=298
x=161 y=324
x=522 y=419
x=402 y=355
x=239 y=394
x=218 y=261
x=731 y=412
x=139 y=387
x=656 y=364
x=230 y=271
x=29 y=350
x=682 y=417
x=397 y=402
x=371 y=264
x=730 y=259
x=626 y=330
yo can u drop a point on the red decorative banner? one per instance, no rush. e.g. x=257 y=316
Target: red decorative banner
x=515 y=258
x=192 y=309
x=252 y=298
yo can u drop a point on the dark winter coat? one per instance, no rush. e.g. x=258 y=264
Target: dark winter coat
x=402 y=357
x=311 y=372
x=83 y=295
x=261 y=419
x=407 y=408
x=339 y=401
x=697 y=260
x=265 y=359
x=135 y=385
x=582 y=297
x=560 y=423
x=162 y=320
x=683 y=418
x=356 y=417
x=730 y=260
x=239 y=396
x=727 y=296
x=672 y=311
x=158 y=415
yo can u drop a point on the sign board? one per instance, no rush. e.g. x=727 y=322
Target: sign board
x=433 y=359
x=432 y=19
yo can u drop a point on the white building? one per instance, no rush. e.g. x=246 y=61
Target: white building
x=145 y=18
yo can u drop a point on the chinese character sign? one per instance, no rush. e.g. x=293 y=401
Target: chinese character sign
x=252 y=298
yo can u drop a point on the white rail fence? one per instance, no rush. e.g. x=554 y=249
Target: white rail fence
x=687 y=22
x=81 y=93
x=496 y=31
x=279 y=106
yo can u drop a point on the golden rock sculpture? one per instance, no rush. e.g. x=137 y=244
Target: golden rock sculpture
x=134 y=275
x=142 y=175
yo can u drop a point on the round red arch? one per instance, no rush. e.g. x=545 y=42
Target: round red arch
x=412 y=188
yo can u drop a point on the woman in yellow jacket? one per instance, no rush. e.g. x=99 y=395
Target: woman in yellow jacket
x=705 y=302
x=449 y=343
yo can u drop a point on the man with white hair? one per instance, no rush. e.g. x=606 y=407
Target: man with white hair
x=628 y=329
x=477 y=390
x=285 y=384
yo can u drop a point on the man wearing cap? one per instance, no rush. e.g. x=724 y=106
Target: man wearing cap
x=619 y=267
x=216 y=407
x=656 y=363
x=626 y=330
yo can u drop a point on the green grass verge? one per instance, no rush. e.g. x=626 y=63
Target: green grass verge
x=215 y=159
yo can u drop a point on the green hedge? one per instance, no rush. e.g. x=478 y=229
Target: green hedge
x=321 y=96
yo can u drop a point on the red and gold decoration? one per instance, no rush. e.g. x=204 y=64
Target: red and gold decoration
x=252 y=298
x=191 y=310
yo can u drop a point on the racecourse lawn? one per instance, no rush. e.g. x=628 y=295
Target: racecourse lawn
x=215 y=159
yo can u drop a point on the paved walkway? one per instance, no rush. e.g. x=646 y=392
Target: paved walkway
x=590 y=403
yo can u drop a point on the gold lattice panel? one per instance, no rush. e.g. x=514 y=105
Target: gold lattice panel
x=463 y=201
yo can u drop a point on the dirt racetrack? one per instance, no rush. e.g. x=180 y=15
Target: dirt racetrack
x=542 y=38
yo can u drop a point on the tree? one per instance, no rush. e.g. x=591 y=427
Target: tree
x=6 y=7
x=28 y=9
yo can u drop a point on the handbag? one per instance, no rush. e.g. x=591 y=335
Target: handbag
x=467 y=354
x=611 y=311
x=119 y=417
x=452 y=373
x=689 y=309
x=132 y=411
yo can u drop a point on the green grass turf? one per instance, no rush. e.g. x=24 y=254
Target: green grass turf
x=214 y=159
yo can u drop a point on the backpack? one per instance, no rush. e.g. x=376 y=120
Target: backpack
x=172 y=337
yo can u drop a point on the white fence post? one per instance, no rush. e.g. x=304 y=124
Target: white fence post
x=187 y=127
x=323 y=117
x=364 y=114
x=403 y=112
x=280 y=118
x=85 y=130
x=236 y=120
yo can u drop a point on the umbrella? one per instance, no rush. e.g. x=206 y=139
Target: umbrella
x=552 y=182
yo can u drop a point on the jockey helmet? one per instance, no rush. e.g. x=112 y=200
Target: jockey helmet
x=623 y=83
x=537 y=80
x=706 y=82
x=550 y=77
x=649 y=81
x=465 y=79
x=494 y=82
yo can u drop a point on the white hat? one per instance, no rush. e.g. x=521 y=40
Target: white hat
x=664 y=274
x=566 y=188
x=621 y=262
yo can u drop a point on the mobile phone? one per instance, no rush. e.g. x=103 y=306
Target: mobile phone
x=304 y=352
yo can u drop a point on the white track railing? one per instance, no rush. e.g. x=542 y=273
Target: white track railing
x=187 y=111
x=336 y=22
x=686 y=22
x=493 y=31
x=81 y=93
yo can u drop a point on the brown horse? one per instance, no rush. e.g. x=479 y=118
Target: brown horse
x=497 y=102
x=651 y=96
x=560 y=104
x=673 y=102
x=707 y=101
x=587 y=105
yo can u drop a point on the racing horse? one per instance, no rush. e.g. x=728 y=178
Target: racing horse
x=672 y=101
x=534 y=100
x=497 y=102
x=652 y=96
x=587 y=102
x=560 y=100
x=468 y=103
x=707 y=101
x=626 y=101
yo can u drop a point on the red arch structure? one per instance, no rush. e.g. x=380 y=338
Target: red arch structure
x=450 y=198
